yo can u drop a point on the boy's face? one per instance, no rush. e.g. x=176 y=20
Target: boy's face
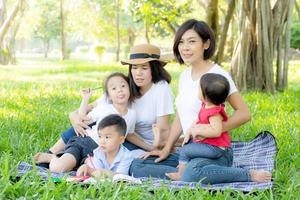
x=110 y=139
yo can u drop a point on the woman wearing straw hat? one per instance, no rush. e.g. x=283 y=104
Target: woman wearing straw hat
x=148 y=81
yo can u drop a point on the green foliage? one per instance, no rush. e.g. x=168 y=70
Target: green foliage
x=35 y=102
x=49 y=21
x=162 y=17
x=295 y=35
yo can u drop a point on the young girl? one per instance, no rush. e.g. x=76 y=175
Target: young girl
x=78 y=148
x=214 y=90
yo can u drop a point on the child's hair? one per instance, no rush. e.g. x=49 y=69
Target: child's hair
x=117 y=74
x=158 y=73
x=214 y=87
x=113 y=120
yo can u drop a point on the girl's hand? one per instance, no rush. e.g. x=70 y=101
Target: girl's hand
x=86 y=93
x=80 y=123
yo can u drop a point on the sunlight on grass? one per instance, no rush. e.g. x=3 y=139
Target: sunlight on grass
x=37 y=96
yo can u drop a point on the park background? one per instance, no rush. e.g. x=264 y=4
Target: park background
x=49 y=49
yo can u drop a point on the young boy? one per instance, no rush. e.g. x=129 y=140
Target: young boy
x=111 y=157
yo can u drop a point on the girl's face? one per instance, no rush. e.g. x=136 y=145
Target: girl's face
x=191 y=47
x=141 y=74
x=118 y=90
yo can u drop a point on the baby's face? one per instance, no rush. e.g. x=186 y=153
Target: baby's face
x=110 y=139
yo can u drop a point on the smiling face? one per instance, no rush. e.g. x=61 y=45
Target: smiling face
x=142 y=76
x=110 y=139
x=118 y=90
x=191 y=47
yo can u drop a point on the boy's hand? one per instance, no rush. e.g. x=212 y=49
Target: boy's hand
x=83 y=170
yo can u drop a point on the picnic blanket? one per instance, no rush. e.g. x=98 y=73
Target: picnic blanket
x=258 y=154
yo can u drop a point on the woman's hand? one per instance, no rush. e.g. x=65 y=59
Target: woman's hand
x=161 y=154
x=80 y=123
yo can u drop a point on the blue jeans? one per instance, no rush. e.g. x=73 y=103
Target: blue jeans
x=220 y=170
x=199 y=150
x=147 y=168
x=65 y=136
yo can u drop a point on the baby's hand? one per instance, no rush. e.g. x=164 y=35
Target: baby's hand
x=186 y=138
x=86 y=93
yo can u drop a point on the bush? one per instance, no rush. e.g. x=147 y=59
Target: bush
x=295 y=36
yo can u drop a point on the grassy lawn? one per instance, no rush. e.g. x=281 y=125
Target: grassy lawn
x=36 y=97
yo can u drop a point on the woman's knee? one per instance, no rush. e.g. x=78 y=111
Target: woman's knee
x=135 y=166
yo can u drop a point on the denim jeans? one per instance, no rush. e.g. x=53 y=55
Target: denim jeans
x=220 y=170
x=199 y=150
x=147 y=168
x=65 y=136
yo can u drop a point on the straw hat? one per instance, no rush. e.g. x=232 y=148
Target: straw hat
x=143 y=53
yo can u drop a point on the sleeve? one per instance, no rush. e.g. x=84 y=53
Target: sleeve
x=124 y=165
x=164 y=100
x=132 y=122
x=232 y=85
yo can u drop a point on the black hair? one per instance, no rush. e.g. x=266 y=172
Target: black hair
x=113 y=120
x=204 y=32
x=158 y=73
x=118 y=74
x=214 y=87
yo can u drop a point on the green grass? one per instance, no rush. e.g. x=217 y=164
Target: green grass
x=36 y=97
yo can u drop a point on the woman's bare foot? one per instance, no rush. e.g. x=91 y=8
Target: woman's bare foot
x=260 y=176
x=157 y=136
x=174 y=176
x=43 y=157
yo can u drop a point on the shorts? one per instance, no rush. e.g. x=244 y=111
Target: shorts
x=80 y=148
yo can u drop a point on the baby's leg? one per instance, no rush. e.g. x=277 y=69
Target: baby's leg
x=176 y=176
x=63 y=164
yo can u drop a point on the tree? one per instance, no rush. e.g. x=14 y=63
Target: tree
x=49 y=25
x=5 y=26
x=63 y=34
x=221 y=45
x=262 y=29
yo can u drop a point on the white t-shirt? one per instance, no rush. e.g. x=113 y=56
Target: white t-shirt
x=156 y=102
x=105 y=109
x=187 y=100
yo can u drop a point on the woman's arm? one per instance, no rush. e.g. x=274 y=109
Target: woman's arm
x=162 y=127
x=173 y=137
x=138 y=141
x=241 y=115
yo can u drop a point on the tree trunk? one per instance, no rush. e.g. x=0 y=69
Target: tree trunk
x=212 y=17
x=287 y=43
x=2 y=11
x=260 y=32
x=118 y=30
x=64 y=53
x=228 y=17
x=46 y=47
x=297 y=9
x=147 y=31
x=7 y=23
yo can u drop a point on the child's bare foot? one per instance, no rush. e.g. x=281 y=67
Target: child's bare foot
x=174 y=176
x=260 y=176
x=156 y=133
x=43 y=157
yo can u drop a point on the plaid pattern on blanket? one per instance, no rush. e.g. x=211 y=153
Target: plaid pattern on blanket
x=258 y=154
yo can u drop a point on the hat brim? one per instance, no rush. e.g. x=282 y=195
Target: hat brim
x=141 y=61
